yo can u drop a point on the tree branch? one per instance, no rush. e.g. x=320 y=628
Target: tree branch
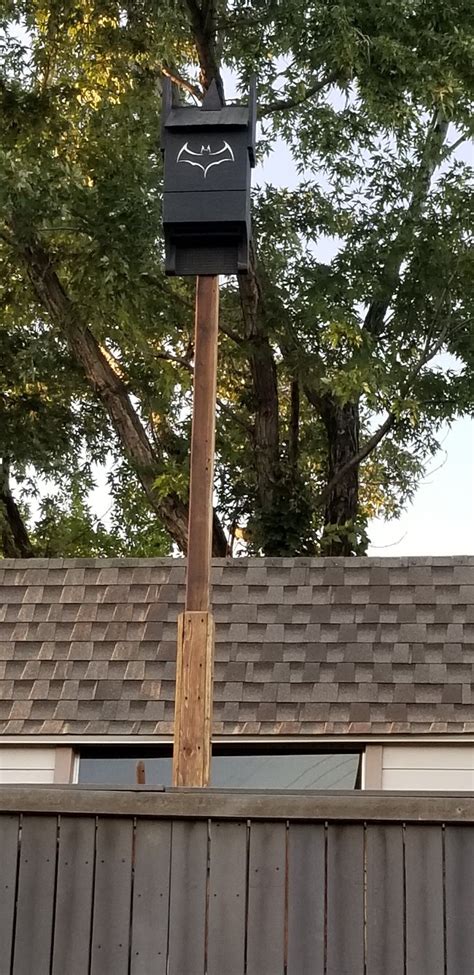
x=265 y=384
x=231 y=334
x=111 y=390
x=294 y=426
x=204 y=28
x=13 y=532
x=5 y=236
x=185 y=364
x=428 y=353
x=431 y=158
x=289 y=103
x=448 y=151
x=357 y=459
x=182 y=82
x=233 y=416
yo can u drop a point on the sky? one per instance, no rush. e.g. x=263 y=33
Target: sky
x=441 y=519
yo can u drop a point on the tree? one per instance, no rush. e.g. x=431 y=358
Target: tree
x=330 y=392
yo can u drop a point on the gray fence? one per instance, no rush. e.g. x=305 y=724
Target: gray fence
x=101 y=882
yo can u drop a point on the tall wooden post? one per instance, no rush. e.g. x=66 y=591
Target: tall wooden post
x=195 y=650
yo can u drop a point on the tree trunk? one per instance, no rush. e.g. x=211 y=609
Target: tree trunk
x=261 y=360
x=294 y=427
x=13 y=534
x=112 y=392
x=203 y=17
x=266 y=433
x=342 y=429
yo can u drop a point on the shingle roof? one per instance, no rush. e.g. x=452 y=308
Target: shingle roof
x=303 y=646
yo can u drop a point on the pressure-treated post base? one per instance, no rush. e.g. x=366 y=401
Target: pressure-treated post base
x=193 y=711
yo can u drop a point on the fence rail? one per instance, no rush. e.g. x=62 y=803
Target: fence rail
x=148 y=882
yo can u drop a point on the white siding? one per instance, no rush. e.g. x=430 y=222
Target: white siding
x=428 y=767
x=27 y=764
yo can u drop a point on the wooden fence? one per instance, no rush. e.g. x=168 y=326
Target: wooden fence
x=102 y=882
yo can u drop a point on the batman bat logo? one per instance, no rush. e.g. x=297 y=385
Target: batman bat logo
x=200 y=159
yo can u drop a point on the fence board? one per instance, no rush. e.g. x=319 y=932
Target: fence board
x=306 y=882
x=35 y=908
x=9 y=826
x=459 y=846
x=112 y=896
x=266 y=899
x=74 y=895
x=188 y=898
x=151 y=898
x=239 y=804
x=385 y=900
x=424 y=901
x=227 y=895
x=345 y=901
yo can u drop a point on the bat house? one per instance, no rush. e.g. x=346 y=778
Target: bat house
x=208 y=153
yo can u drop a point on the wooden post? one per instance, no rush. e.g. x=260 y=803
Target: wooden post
x=195 y=651
x=202 y=446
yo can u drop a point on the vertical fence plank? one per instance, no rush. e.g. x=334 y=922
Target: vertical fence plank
x=9 y=826
x=345 y=900
x=35 y=907
x=227 y=892
x=459 y=846
x=385 y=900
x=424 y=900
x=306 y=880
x=151 y=897
x=266 y=899
x=188 y=898
x=72 y=929
x=112 y=896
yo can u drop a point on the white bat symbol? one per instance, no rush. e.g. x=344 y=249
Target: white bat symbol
x=186 y=155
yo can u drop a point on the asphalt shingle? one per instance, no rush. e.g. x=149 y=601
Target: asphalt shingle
x=303 y=646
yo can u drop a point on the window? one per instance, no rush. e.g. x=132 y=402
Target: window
x=246 y=767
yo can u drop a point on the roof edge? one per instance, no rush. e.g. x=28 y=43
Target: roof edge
x=269 y=562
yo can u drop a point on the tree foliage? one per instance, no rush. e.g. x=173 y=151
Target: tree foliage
x=331 y=388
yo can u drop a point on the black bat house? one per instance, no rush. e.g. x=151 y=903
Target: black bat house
x=208 y=153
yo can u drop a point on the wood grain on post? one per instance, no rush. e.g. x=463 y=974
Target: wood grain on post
x=198 y=576
x=195 y=651
x=193 y=711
